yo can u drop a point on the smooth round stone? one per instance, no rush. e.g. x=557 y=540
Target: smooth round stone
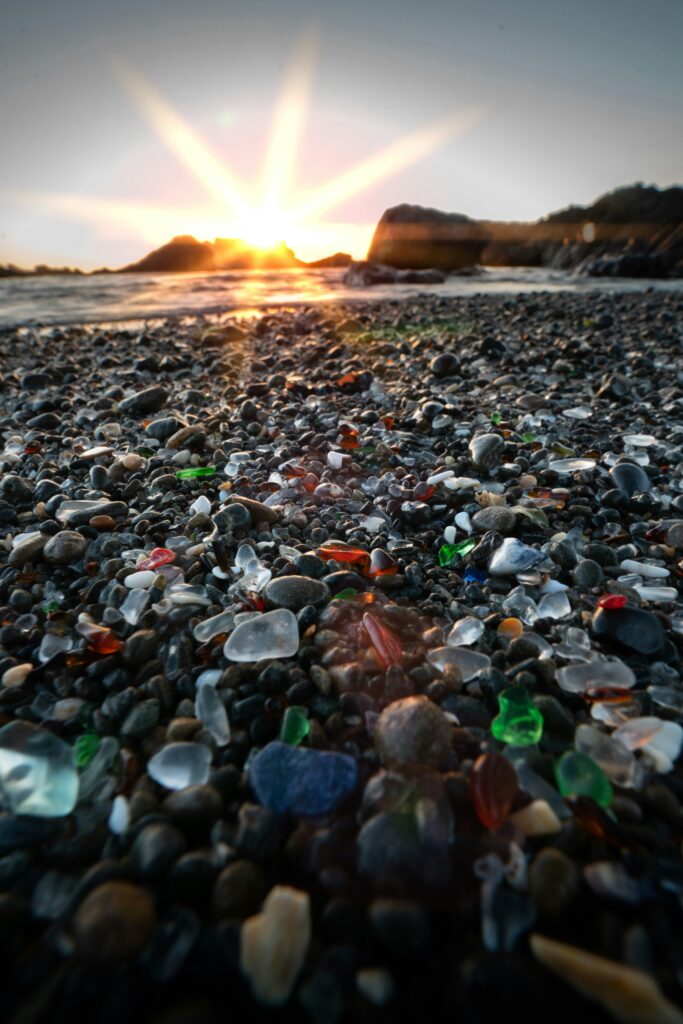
x=148 y=400
x=487 y=450
x=274 y=943
x=444 y=364
x=634 y=628
x=565 y=466
x=512 y=557
x=296 y=592
x=675 y=535
x=412 y=730
x=179 y=765
x=29 y=550
x=468 y=663
x=233 y=517
x=271 y=635
x=15 y=490
x=588 y=574
x=114 y=922
x=65 y=547
x=496 y=517
x=16 y=675
x=630 y=479
x=141 y=580
x=554 y=881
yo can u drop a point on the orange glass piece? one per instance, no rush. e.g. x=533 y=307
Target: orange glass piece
x=33 y=447
x=156 y=558
x=386 y=644
x=348 y=429
x=510 y=629
x=292 y=469
x=342 y=552
x=493 y=786
x=611 y=601
x=381 y=564
x=310 y=482
x=346 y=378
x=252 y=602
x=349 y=442
x=608 y=695
x=388 y=422
x=100 y=639
x=423 y=491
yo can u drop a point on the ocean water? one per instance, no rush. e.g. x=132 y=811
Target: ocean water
x=104 y=298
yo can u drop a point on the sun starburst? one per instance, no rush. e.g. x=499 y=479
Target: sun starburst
x=231 y=210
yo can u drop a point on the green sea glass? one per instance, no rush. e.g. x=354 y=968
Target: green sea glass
x=519 y=721
x=85 y=748
x=295 y=726
x=188 y=474
x=449 y=553
x=578 y=775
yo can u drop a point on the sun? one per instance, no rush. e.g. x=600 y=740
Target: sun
x=268 y=216
x=263 y=228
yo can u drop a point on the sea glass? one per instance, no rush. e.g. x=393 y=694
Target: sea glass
x=519 y=722
x=271 y=635
x=179 y=765
x=295 y=725
x=577 y=775
x=301 y=780
x=195 y=471
x=466 y=632
x=493 y=785
x=37 y=771
x=210 y=710
x=385 y=643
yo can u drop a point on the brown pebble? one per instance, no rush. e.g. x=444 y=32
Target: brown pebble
x=114 y=922
x=102 y=523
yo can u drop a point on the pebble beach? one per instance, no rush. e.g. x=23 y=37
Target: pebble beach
x=340 y=663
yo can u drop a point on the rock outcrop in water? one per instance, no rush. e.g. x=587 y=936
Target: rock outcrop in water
x=417 y=237
x=635 y=231
x=184 y=254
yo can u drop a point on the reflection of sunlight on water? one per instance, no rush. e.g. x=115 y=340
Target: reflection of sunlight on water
x=112 y=297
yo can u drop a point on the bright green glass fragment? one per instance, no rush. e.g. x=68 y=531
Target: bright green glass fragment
x=85 y=748
x=449 y=553
x=295 y=726
x=579 y=775
x=519 y=721
x=345 y=595
x=496 y=418
x=528 y=438
x=188 y=474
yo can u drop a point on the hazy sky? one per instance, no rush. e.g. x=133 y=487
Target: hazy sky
x=567 y=100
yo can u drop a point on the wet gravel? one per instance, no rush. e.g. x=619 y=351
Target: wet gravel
x=388 y=878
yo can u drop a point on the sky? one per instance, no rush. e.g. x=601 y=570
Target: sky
x=124 y=123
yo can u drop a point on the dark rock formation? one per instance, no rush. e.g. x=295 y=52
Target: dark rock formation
x=184 y=254
x=415 y=237
x=635 y=231
x=364 y=274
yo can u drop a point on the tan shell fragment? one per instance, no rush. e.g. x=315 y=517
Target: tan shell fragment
x=274 y=943
x=630 y=995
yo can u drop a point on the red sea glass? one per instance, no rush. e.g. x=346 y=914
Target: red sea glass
x=611 y=601
x=423 y=491
x=341 y=552
x=493 y=785
x=385 y=643
x=156 y=558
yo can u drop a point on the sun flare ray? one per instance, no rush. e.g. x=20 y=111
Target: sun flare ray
x=183 y=142
x=288 y=121
x=389 y=161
